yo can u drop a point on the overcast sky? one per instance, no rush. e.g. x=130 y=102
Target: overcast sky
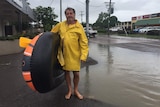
x=123 y=9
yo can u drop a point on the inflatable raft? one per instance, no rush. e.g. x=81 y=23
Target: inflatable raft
x=40 y=67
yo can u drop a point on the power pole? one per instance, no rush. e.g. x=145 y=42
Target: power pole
x=81 y=16
x=109 y=5
x=60 y=10
x=87 y=16
x=109 y=17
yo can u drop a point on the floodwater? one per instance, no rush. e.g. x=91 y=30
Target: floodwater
x=122 y=77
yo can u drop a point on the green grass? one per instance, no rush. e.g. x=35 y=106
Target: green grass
x=137 y=35
x=103 y=31
x=141 y=35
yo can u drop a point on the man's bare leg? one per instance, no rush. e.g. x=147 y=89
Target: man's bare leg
x=76 y=81
x=68 y=81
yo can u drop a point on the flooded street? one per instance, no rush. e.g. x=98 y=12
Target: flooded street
x=120 y=72
x=122 y=77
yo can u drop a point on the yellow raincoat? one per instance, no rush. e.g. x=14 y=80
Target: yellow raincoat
x=73 y=46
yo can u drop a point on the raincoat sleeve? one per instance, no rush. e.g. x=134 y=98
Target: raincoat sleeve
x=83 y=45
x=56 y=29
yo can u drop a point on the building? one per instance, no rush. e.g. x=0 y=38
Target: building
x=13 y=13
x=146 y=20
x=127 y=25
x=141 y=21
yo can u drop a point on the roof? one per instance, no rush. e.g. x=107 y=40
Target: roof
x=10 y=9
x=155 y=21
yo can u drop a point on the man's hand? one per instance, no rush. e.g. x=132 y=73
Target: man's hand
x=83 y=61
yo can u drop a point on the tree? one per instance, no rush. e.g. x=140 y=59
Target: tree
x=113 y=21
x=45 y=16
x=102 y=21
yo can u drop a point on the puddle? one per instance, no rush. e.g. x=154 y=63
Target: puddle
x=123 y=77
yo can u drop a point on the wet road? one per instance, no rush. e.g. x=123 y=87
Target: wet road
x=127 y=73
x=121 y=72
x=14 y=92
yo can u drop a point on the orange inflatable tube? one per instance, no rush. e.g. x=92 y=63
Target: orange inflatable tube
x=40 y=67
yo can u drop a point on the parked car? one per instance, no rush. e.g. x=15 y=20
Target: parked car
x=115 y=29
x=136 y=30
x=146 y=29
x=156 y=27
x=91 y=32
x=153 y=32
x=156 y=31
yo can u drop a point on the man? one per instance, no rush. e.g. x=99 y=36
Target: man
x=74 y=49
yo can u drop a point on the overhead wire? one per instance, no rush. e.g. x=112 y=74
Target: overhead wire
x=89 y=5
x=81 y=2
x=51 y=2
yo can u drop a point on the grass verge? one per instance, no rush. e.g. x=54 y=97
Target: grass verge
x=141 y=35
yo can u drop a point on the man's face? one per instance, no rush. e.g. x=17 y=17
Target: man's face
x=70 y=15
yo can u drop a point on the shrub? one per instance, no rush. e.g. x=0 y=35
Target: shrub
x=3 y=38
x=120 y=32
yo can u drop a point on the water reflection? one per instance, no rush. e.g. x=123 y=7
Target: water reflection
x=109 y=57
x=122 y=77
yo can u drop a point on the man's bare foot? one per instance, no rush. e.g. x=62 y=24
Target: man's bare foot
x=68 y=96
x=79 y=96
